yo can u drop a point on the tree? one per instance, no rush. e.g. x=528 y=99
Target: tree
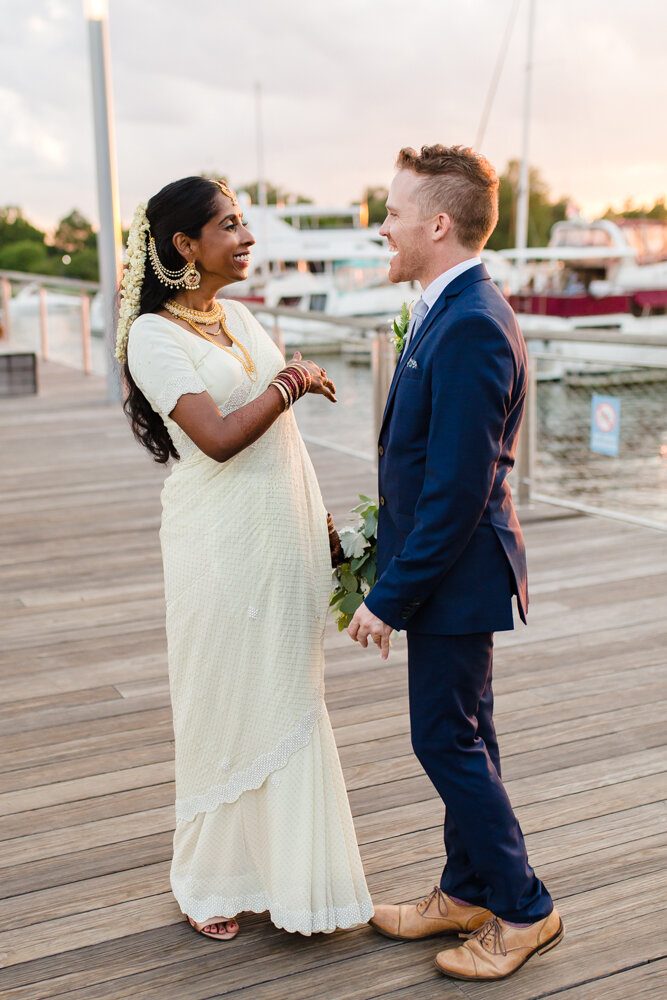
x=14 y=227
x=658 y=211
x=542 y=212
x=274 y=195
x=84 y=264
x=22 y=246
x=75 y=239
x=25 y=255
x=74 y=233
x=375 y=198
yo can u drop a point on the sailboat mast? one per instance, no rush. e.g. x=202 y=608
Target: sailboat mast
x=524 y=176
x=261 y=180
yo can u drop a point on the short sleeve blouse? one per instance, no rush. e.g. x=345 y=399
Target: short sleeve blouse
x=167 y=362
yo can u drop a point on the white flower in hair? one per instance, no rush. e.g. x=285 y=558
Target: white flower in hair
x=133 y=278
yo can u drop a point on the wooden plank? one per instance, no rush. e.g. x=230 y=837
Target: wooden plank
x=86 y=758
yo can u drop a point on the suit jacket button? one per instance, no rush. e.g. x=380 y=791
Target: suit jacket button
x=382 y=501
x=381 y=450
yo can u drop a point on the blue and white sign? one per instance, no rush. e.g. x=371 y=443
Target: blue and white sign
x=605 y=424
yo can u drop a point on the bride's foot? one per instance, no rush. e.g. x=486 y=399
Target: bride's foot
x=221 y=930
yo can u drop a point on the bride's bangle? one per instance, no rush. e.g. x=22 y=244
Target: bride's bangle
x=287 y=402
x=293 y=381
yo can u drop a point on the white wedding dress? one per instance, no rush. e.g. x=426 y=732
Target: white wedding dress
x=262 y=816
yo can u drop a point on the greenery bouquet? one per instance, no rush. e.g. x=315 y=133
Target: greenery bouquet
x=354 y=578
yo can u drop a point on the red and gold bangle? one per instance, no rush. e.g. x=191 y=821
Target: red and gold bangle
x=293 y=382
x=289 y=379
x=307 y=375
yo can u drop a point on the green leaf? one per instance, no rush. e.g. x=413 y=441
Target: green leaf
x=343 y=622
x=349 y=582
x=370 y=524
x=350 y=603
x=357 y=564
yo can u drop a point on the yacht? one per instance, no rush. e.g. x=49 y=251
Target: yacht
x=592 y=271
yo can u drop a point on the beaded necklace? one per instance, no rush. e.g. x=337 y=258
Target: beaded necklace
x=194 y=317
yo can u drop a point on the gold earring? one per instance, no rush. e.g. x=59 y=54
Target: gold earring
x=192 y=277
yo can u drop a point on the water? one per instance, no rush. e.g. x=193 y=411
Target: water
x=634 y=482
x=349 y=422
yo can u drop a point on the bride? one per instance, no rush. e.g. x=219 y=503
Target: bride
x=262 y=816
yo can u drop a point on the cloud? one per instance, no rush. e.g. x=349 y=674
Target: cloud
x=345 y=85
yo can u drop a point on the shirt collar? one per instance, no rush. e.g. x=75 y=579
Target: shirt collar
x=433 y=291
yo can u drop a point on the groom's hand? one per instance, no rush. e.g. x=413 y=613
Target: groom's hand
x=364 y=625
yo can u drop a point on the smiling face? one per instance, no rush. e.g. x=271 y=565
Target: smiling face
x=407 y=233
x=222 y=251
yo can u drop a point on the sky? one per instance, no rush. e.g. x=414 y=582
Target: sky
x=345 y=84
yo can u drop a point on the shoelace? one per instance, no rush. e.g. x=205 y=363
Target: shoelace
x=490 y=936
x=436 y=893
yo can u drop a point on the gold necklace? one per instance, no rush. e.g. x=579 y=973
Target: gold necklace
x=207 y=318
x=246 y=361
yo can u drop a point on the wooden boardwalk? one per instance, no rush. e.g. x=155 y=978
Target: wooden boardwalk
x=86 y=750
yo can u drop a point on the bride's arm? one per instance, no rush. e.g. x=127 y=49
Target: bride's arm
x=223 y=437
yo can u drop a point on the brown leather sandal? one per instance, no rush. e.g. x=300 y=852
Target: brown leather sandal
x=227 y=935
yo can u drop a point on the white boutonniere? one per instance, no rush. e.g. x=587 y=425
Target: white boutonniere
x=401 y=324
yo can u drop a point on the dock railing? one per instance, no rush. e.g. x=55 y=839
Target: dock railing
x=383 y=354
x=594 y=436
x=555 y=463
x=84 y=290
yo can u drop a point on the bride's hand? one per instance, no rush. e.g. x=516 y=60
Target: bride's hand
x=321 y=384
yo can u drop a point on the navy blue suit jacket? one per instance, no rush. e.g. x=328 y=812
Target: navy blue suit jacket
x=450 y=548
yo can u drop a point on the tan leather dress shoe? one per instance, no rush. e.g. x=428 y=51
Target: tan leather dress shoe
x=437 y=914
x=498 y=949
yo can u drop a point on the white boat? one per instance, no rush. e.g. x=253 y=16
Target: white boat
x=592 y=269
x=285 y=244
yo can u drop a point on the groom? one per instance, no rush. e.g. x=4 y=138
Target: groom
x=451 y=555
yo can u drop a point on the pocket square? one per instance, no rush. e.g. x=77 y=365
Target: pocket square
x=412 y=364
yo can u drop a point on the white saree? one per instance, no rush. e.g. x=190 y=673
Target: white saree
x=262 y=816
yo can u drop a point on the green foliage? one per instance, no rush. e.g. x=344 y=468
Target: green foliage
x=14 y=228
x=23 y=247
x=84 y=265
x=25 y=255
x=658 y=211
x=375 y=198
x=274 y=195
x=542 y=212
x=401 y=324
x=74 y=233
x=355 y=577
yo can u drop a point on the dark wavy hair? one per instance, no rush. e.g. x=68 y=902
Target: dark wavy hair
x=183 y=206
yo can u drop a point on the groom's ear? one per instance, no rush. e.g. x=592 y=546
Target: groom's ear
x=442 y=223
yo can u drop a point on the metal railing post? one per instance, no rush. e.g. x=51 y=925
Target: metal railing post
x=525 y=458
x=383 y=357
x=6 y=309
x=43 y=323
x=85 y=333
x=278 y=339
